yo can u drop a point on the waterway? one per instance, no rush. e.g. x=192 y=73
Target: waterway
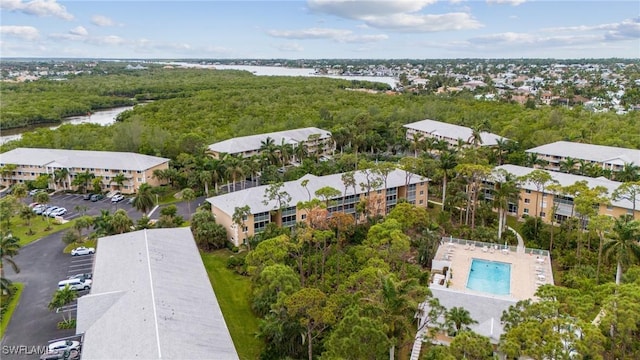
x=287 y=71
x=101 y=117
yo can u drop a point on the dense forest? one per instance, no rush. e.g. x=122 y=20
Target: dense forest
x=324 y=289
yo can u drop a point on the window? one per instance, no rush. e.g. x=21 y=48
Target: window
x=527 y=191
x=542 y=214
x=421 y=192
x=526 y=211
x=421 y=202
x=527 y=201
x=379 y=191
x=609 y=207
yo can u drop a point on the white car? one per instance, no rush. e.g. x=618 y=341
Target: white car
x=64 y=345
x=117 y=198
x=82 y=251
x=58 y=212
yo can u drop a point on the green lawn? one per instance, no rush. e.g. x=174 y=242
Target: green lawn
x=233 y=292
x=6 y=317
x=88 y=243
x=19 y=228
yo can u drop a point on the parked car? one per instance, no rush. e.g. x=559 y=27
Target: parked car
x=58 y=212
x=40 y=208
x=50 y=210
x=64 y=345
x=35 y=191
x=33 y=204
x=60 y=355
x=82 y=251
x=117 y=198
x=87 y=196
x=96 y=197
x=83 y=276
x=75 y=284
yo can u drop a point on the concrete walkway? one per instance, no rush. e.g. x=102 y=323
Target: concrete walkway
x=520 y=248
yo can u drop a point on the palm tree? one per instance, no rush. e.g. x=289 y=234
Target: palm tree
x=188 y=195
x=416 y=143
x=9 y=246
x=43 y=198
x=629 y=172
x=60 y=177
x=532 y=160
x=285 y=152
x=446 y=162
x=143 y=201
x=121 y=222
x=82 y=180
x=234 y=168
x=506 y=191
x=458 y=318
x=268 y=148
x=119 y=179
x=568 y=165
x=301 y=151
x=61 y=298
x=623 y=247
x=102 y=223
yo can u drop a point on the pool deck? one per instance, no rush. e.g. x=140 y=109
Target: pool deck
x=528 y=270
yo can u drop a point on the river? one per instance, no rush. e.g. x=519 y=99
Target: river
x=287 y=71
x=102 y=117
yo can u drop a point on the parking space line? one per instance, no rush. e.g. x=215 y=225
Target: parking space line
x=80 y=266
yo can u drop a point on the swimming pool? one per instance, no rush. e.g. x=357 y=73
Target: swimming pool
x=490 y=276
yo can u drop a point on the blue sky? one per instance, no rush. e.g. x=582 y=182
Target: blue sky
x=313 y=29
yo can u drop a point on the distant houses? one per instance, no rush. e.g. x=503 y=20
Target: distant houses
x=27 y=164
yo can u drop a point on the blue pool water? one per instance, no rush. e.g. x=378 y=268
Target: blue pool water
x=490 y=276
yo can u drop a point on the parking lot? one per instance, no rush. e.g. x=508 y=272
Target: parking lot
x=43 y=265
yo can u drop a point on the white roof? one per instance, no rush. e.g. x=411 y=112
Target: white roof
x=453 y=131
x=486 y=310
x=80 y=159
x=253 y=142
x=565 y=179
x=598 y=153
x=254 y=197
x=151 y=298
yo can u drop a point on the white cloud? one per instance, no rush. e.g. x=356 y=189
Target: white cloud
x=626 y=29
x=79 y=31
x=356 y=9
x=399 y=15
x=23 y=32
x=290 y=47
x=508 y=2
x=338 y=35
x=425 y=23
x=39 y=8
x=100 y=20
x=109 y=40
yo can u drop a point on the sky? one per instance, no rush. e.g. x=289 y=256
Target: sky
x=320 y=29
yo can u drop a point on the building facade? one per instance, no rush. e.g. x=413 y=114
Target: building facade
x=559 y=207
x=27 y=164
x=448 y=132
x=380 y=193
x=318 y=143
x=605 y=157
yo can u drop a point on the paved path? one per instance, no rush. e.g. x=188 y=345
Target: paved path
x=520 y=249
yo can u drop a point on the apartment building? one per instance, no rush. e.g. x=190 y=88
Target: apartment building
x=448 y=132
x=563 y=206
x=27 y=164
x=318 y=142
x=381 y=193
x=606 y=157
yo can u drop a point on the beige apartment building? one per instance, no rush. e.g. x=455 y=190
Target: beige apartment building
x=606 y=157
x=547 y=201
x=448 y=132
x=26 y=164
x=318 y=142
x=381 y=195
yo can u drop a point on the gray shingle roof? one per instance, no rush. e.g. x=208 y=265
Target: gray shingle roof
x=80 y=159
x=253 y=142
x=569 y=179
x=598 y=153
x=254 y=196
x=151 y=298
x=452 y=131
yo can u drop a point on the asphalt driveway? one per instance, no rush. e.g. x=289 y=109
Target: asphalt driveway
x=42 y=264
